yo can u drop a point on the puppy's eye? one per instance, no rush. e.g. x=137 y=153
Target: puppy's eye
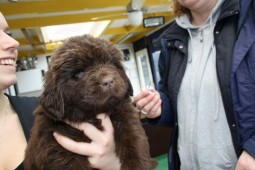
x=78 y=74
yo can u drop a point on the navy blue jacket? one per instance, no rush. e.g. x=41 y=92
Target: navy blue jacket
x=243 y=77
x=172 y=65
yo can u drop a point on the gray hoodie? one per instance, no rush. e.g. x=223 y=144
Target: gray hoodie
x=204 y=140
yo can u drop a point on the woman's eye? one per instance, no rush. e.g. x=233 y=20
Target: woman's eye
x=78 y=74
x=9 y=33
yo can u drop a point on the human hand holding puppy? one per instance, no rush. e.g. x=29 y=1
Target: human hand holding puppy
x=149 y=102
x=101 y=150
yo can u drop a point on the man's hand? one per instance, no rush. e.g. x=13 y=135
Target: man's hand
x=245 y=162
x=149 y=102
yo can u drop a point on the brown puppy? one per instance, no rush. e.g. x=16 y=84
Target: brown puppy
x=86 y=78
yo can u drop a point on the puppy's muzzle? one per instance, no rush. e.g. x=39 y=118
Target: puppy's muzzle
x=108 y=82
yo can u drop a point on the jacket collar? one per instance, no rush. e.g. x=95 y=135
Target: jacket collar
x=175 y=32
x=246 y=34
x=244 y=5
x=229 y=7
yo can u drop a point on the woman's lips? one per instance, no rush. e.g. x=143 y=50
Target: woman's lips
x=7 y=62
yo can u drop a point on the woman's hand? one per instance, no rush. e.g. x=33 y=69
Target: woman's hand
x=245 y=162
x=101 y=151
x=149 y=102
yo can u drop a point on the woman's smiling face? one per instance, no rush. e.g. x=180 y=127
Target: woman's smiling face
x=8 y=55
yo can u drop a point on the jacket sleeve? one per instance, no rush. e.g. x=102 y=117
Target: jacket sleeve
x=249 y=146
x=166 y=118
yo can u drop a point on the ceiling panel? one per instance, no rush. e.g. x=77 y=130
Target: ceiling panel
x=26 y=17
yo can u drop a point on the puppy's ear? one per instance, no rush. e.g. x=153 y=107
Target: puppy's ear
x=51 y=99
x=130 y=88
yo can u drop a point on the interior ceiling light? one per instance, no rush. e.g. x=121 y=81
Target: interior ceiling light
x=153 y=21
x=61 y=32
x=53 y=35
x=135 y=17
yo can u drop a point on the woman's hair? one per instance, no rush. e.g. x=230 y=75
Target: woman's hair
x=178 y=8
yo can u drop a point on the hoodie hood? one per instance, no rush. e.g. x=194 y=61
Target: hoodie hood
x=197 y=31
x=184 y=20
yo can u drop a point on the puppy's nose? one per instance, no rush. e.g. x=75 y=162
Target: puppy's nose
x=107 y=82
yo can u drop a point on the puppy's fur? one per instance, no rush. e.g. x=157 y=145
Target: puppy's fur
x=86 y=78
